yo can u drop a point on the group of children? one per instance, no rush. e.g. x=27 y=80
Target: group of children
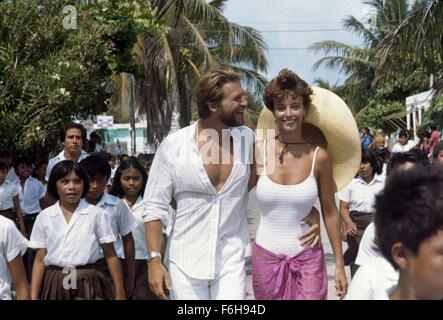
x=388 y=258
x=90 y=244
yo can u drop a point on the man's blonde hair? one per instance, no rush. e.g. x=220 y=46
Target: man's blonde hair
x=209 y=89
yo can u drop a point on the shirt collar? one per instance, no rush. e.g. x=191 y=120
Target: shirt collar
x=377 y=178
x=81 y=209
x=107 y=199
x=83 y=154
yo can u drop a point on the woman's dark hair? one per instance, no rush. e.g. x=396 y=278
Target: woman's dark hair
x=96 y=164
x=432 y=126
x=61 y=170
x=409 y=210
x=369 y=156
x=132 y=163
x=287 y=82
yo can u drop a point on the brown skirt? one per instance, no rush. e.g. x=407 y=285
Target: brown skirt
x=10 y=214
x=89 y=284
x=361 y=220
x=141 y=286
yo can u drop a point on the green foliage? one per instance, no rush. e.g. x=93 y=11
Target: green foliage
x=435 y=114
x=49 y=75
x=377 y=109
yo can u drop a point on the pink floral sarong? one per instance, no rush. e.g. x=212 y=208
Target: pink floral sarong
x=278 y=277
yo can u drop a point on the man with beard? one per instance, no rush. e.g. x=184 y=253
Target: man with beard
x=205 y=169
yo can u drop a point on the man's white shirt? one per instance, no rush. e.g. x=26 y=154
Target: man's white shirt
x=60 y=157
x=207 y=222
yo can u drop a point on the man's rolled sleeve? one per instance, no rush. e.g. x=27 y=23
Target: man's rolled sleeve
x=160 y=187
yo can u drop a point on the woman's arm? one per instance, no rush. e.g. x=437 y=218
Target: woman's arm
x=115 y=269
x=38 y=271
x=331 y=217
x=18 y=274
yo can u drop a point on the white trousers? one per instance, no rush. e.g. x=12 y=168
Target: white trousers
x=229 y=284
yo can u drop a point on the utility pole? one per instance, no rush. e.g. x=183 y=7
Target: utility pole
x=132 y=105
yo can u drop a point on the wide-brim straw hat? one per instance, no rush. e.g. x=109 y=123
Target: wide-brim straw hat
x=330 y=124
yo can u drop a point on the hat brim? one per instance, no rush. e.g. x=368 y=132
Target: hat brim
x=330 y=124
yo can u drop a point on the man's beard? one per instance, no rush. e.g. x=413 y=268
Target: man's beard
x=228 y=119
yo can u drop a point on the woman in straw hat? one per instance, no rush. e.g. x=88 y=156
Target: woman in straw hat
x=294 y=171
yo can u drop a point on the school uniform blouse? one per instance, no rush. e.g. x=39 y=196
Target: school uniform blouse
x=207 y=222
x=375 y=280
x=30 y=195
x=75 y=243
x=138 y=210
x=12 y=176
x=121 y=220
x=361 y=195
x=8 y=190
x=12 y=244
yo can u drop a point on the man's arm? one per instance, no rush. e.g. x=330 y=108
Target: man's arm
x=312 y=235
x=158 y=276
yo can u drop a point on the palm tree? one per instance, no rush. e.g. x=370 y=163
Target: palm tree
x=420 y=38
x=199 y=38
x=359 y=63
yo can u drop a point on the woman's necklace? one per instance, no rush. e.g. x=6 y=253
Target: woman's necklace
x=286 y=146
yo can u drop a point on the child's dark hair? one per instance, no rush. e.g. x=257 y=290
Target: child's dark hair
x=21 y=160
x=132 y=163
x=403 y=133
x=72 y=125
x=124 y=155
x=3 y=166
x=146 y=160
x=437 y=149
x=96 y=164
x=369 y=156
x=5 y=154
x=61 y=170
x=409 y=209
x=383 y=154
x=414 y=156
x=38 y=165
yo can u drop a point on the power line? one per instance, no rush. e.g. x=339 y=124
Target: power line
x=279 y=31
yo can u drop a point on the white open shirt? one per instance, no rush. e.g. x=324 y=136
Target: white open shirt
x=207 y=224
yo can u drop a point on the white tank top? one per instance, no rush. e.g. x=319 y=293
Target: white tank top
x=281 y=208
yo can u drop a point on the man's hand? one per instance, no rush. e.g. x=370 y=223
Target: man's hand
x=312 y=235
x=158 y=278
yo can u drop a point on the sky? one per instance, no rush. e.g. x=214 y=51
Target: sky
x=291 y=26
